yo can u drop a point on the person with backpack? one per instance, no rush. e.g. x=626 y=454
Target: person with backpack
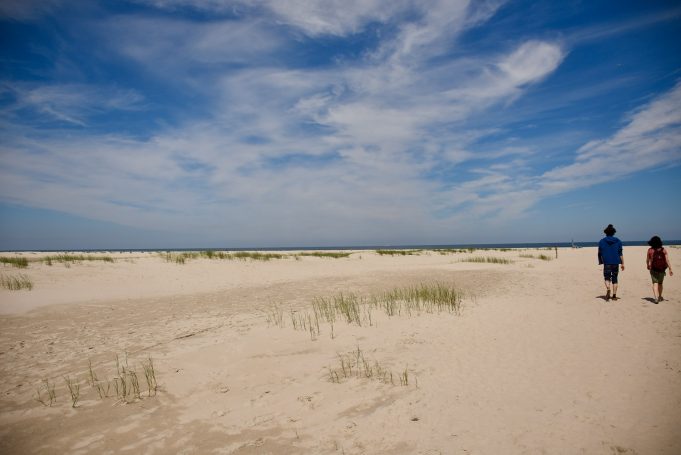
x=657 y=262
x=610 y=255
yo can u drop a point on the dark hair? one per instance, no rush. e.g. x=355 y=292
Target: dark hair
x=610 y=230
x=655 y=242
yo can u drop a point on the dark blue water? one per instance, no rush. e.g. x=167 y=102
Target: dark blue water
x=376 y=247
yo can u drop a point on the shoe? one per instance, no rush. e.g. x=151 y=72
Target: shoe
x=614 y=297
x=660 y=299
x=607 y=295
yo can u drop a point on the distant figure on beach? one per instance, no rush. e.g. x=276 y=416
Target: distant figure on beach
x=657 y=262
x=610 y=255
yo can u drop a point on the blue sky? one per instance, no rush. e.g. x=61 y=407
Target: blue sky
x=206 y=123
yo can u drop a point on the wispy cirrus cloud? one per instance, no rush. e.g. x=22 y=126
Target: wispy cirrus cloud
x=649 y=138
x=69 y=103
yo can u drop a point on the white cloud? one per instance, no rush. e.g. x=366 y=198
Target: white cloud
x=531 y=62
x=652 y=137
x=70 y=103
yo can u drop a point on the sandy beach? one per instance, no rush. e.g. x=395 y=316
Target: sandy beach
x=530 y=360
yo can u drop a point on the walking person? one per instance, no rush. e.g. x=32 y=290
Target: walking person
x=657 y=262
x=610 y=256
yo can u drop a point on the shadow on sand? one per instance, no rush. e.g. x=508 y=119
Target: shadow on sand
x=650 y=300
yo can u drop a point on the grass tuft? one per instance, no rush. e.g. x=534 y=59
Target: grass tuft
x=51 y=394
x=181 y=258
x=16 y=283
x=355 y=310
x=355 y=364
x=487 y=260
x=150 y=376
x=542 y=257
x=20 y=263
x=75 y=258
x=74 y=390
x=398 y=252
x=324 y=254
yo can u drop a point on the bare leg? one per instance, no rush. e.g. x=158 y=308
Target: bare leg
x=607 y=290
x=656 y=293
x=614 y=290
x=659 y=292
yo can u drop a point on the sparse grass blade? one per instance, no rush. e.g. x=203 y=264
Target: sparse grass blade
x=150 y=376
x=51 y=395
x=74 y=390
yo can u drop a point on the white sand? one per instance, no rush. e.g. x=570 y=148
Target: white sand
x=537 y=362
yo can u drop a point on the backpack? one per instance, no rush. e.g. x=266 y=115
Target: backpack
x=659 y=262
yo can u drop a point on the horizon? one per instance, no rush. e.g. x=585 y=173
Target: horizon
x=153 y=123
x=480 y=246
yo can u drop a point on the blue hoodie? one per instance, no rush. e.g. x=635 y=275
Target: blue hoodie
x=609 y=250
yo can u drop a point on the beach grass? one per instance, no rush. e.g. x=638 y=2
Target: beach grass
x=126 y=385
x=444 y=251
x=356 y=364
x=75 y=258
x=74 y=389
x=398 y=252
x=542 y=257
x=182 y=258
x=324 y=254
x=424 y=298
x=16 y=282
x=51 y=395
x=150 y=376
x=349 y=308
x=18 y=262
x=487 y=260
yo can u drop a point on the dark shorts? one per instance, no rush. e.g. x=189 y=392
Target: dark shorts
x=610 y=272
x=657 y=276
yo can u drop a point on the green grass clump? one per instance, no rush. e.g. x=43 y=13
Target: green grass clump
x=20 y=263
x=16 y=283
x=425 y=298
x=325 y=254
x=398 y=252
x=355 y=310
x=72 y=258
x=243 y=255
x=181 y=258
x=487 y=260
x=444 y=251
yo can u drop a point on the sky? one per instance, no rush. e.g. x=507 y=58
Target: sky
x=281 y=123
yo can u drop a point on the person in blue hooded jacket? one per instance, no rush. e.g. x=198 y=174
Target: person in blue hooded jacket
x=610 y=255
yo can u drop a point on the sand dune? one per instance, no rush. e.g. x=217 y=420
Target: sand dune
x=535 y=362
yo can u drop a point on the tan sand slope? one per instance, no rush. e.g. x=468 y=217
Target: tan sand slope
x=537 y=361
